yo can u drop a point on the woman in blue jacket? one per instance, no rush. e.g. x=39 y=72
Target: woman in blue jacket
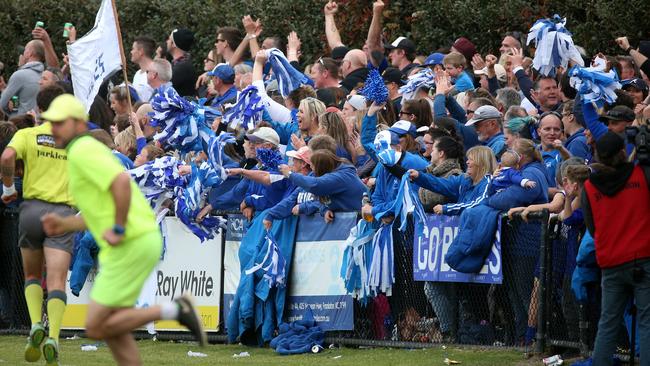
x=466 y=190
x=335 y=182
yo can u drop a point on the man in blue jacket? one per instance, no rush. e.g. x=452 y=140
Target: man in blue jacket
x=487 y=122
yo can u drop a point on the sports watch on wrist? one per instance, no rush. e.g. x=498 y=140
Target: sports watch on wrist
x=119 y=229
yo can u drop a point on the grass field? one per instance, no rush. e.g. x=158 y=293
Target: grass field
x=166 y=353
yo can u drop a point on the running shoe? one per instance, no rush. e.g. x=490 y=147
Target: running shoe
x=190 y=318
x=34 y=341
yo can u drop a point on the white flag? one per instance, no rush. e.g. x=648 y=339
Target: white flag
x=95 y=56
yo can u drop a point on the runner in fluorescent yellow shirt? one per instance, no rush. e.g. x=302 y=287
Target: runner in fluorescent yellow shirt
x=124 y=226
x=45 y=190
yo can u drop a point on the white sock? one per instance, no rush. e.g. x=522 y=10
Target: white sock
x=169 y=311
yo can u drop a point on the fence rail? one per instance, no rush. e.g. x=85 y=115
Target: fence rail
x=420 y=314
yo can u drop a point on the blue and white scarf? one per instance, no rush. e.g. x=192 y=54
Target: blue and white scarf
x=289 y=79
x=356 y=260
x=595 y=84
x=247 y=112
x=424 y=77
x=273 y=264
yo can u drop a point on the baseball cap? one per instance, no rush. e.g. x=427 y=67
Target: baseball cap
x=339 y=52
x=609 y=145
x=358 y=101
x=264 y=134
x=384 y=139
x=402 y=127
x=620 y=113
x=304 y=154
x=498 y=69
x=224 y=72
x=63 y=107
x=484 y=113
x=465 y=46
x=183 y=38
x=434 y=59
x=637 y=83
x=393 y=75
x=403 y=43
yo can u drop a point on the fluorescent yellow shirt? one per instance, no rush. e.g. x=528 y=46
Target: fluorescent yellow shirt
x=46 y=167
x=92 y=169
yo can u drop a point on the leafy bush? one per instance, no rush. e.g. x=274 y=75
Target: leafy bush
x=432 y=24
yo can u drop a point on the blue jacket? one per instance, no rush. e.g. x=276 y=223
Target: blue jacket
x=440 y=106
x=229 y=96
x=387 y=184
x=505 y=179
x=340 y=190
x=85 y=258
x=552 y=160
x=128 y=164
x=306 y=201
x=516 y=196
x=473 y=242
x=496 y=143
x=255 y=194
x=460 y=188
x=368 y=133
x=577 y=145
x=463 y=82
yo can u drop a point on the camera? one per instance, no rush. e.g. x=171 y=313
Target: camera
x=639 y=136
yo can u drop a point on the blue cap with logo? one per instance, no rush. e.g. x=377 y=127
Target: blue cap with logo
x=224 y=72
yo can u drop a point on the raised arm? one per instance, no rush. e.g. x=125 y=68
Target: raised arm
x=253 y=30
x=50 y=55
x=374 y=32
x=331 y=32
x=277 y=111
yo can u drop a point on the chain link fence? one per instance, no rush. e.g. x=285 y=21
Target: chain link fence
x=537 y=259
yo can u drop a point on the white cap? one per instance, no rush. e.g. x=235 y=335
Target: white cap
x=266 y=134
x=484 y=113
x=358 y=101
x=498 y=69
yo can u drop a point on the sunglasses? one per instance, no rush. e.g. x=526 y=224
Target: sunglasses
x=208 y=60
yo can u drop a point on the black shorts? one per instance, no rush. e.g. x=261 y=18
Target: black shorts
x=30 y=227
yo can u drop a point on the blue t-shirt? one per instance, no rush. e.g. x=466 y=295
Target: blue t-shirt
x=463 y=82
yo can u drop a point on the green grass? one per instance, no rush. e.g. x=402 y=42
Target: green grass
x=167 y=353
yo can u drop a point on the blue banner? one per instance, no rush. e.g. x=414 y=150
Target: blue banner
x=315 y=275
x=431 y=245
x=231 y=266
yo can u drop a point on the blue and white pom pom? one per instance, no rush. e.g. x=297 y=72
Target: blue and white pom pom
x=184 y=125
x=289 y=79
x=554 y=45
x=270 y=158
x=424 y=77
x=247 y=112
x=190 y=201
x=595 y=84
x=158 y=180
x=375 y=89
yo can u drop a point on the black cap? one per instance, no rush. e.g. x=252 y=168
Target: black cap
x=403 y=43
x=620 y=113
x=339 y=52
x=609 y=145
x=636 y=83
x=393 y=75
x=183 y=38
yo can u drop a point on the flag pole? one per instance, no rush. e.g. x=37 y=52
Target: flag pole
x=119 y=39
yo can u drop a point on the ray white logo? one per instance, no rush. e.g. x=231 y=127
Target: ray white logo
x=196 y=282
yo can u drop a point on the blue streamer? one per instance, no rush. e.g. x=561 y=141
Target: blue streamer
x=595 y=84
x=554 y=45
x=375 y=89
x=158 y=180
x=381 y=275
x=247 y=112
x=270 y=158
x=289 y=79
x=273 y=264
x=356 y=261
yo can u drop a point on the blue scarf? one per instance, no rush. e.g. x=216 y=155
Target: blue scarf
x=273 y=265
x=289 y=79
x=247 y=112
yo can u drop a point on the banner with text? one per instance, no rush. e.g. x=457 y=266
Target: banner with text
x=315 y=275
x=187 y=266
x=431 y=246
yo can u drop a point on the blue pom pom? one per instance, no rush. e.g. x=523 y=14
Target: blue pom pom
x=374 y=89
x=269 y=158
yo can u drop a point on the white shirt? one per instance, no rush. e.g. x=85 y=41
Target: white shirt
x=141 y=86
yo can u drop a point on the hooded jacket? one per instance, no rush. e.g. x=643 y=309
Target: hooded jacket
x=387 y=183
x=24 y=84
x=516 y=196
x=615 y=207
x=460 y=188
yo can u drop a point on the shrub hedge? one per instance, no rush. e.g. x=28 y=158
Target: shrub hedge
x=432 y=24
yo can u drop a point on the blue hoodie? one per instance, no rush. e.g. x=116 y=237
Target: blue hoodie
x=340 y=190
x=577 y=145
x=306 y=201
x=552 y=160
x=516 y=196
x=496 y=143
x=460 y=188
x=387 y=184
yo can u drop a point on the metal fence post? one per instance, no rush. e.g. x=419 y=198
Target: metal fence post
x=545 y=252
